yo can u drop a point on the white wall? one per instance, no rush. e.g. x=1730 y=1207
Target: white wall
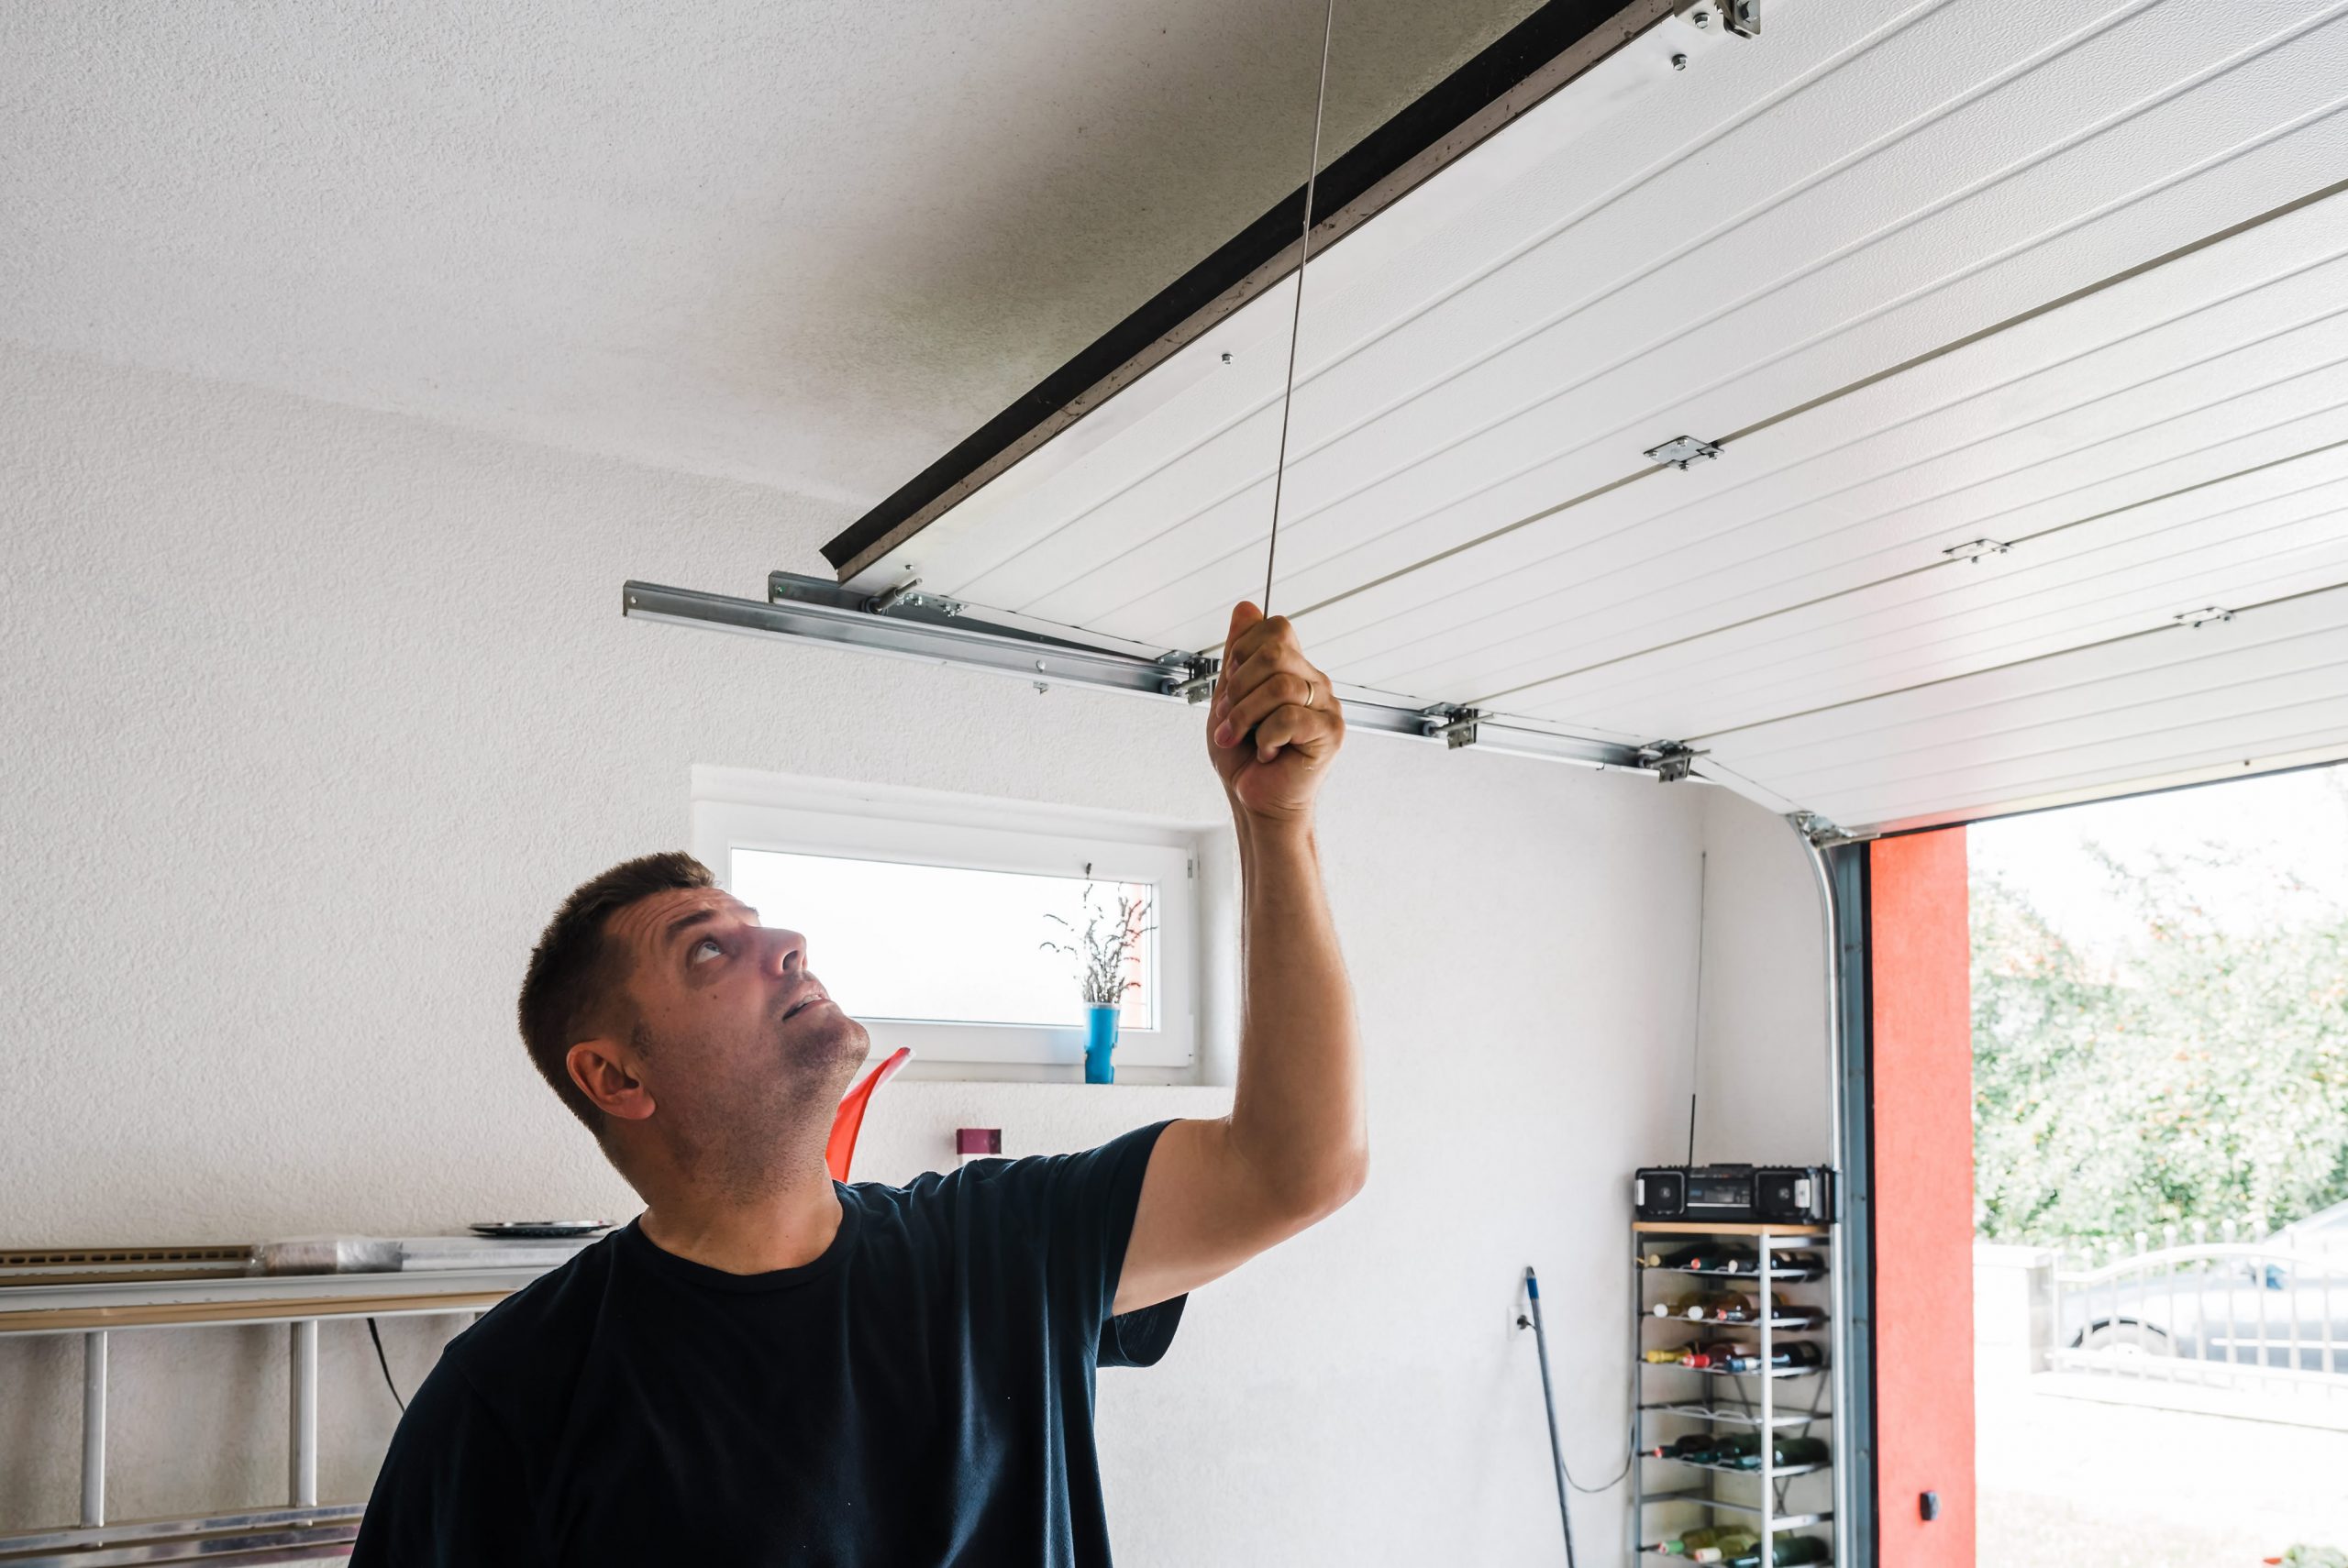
x=1765 y=1094
x=314 y=714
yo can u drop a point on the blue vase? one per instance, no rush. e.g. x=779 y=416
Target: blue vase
x=1100 y=1040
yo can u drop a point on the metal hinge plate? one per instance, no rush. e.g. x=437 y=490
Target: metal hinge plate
x=1682 y=450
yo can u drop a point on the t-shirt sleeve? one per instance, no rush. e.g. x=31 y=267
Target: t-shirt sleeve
x=1081 y=1207
x=455 y=1489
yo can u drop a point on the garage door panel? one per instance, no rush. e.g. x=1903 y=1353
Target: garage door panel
x=1620 y=574
x=2255 y=741
x=1959 y=652
x=1574 y=155
x=2157 y=653
x=2208 y=695
x=1585 y=233
x=1775 y=662
x=1501 y=498
x=2140 y=597
x=2145 y=564
x=1773 y=312
x=1726 y=573
x=2293 y=661
x=2073 y=277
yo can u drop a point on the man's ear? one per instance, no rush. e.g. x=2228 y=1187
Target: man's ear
x=600 y=1068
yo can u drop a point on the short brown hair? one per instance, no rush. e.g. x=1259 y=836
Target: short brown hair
x=576 y=973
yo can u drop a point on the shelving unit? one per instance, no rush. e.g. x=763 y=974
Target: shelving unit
x=1675 y=1399
x=305 y=1528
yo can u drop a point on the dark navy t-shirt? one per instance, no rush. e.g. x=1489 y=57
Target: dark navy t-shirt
x=920 y=1394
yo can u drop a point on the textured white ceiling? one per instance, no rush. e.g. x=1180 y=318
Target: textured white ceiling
x=2071 y=275
x=803 y=244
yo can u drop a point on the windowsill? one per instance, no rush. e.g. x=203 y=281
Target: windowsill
x=910 y=1128
x=1070 y=1074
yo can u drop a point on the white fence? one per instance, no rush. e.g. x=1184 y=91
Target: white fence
x=2266 y=1318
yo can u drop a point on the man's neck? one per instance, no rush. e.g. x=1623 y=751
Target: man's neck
x=784 y=1228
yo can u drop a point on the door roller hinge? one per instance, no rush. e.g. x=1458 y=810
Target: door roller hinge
x=1672 y=760
x=1453 y=724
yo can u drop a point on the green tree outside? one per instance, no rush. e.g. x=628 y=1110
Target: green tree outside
x=2197 y=1071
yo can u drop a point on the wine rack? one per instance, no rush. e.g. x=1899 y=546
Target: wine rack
x=1769 y=1403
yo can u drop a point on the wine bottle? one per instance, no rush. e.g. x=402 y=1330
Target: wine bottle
x=1709 y=1306
x=1681 y=1356
x=1724 y=1257
x=1729 y=1541
x=1748 y=1358
x=1786 y=1453
x=1784 y=1552
x=1718 y=1307
x=1792 y=1316
x=1732 y=1450
x=1695 y=1541
x=1708 y=1257
x=1690 y=1447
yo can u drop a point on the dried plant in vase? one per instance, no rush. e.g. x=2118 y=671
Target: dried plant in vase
x=1100 y=952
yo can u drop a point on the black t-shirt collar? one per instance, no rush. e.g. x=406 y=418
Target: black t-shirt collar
x=639 y=1248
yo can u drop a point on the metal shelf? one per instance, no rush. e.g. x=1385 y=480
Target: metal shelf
x=1723 y=1372
x=1675 y=1557
x=1738 y=1418
x=1782 y=1325
x=1782 y=1522
x=1760 y=1408
x=1778 y=1475
x=1796 y=1233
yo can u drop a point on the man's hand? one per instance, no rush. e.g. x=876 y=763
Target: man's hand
x=1268 y=688
x=1295 y=1148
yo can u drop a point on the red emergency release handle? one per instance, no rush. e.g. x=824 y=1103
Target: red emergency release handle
x=850 y=1118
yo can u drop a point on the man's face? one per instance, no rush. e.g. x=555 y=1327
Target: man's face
x=742 y=1041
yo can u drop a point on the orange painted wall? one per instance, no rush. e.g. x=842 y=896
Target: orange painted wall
x=1922 y=1140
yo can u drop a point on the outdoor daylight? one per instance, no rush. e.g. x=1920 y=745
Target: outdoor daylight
x=2160 y=1039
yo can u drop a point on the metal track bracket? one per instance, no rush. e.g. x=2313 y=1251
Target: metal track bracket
x=1672 y=760
x=1822 y=834
x=1453 y=724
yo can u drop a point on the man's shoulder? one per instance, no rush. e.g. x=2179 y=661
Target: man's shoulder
x=526 y=1349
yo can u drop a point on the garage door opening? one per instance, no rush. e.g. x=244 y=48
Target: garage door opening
x=2159 y=1094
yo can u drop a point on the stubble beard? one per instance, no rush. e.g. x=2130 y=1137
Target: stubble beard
x=750 y=1141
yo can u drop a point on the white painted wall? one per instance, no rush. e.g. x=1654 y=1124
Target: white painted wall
x=1764 y=1074
x=315 y=713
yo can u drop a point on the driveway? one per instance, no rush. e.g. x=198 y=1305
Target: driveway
x=2066 y=1481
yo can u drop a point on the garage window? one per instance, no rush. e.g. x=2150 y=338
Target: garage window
x=927 y=914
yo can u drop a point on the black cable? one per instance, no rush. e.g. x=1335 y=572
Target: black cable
x=386 y=1365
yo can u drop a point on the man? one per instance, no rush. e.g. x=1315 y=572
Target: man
x=766 y=1366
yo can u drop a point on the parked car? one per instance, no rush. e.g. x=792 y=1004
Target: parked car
x=2281 y=1302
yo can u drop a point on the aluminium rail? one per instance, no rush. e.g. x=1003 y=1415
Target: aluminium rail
x=303 y=1527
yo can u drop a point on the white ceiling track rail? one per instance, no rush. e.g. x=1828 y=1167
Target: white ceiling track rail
x=905 y=624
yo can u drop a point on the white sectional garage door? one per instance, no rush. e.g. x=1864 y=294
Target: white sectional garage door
x=2022 y=329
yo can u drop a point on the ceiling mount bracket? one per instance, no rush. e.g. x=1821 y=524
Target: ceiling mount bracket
x=1453 y=724
x=1194 y=687
x=903 y=596
x=1822 y=834
x=1682 y=450
x=1671 y=760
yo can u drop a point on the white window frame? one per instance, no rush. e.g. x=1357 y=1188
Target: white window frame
x=739 y=808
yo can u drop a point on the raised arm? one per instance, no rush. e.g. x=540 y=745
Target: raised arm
x=1296 y=1144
